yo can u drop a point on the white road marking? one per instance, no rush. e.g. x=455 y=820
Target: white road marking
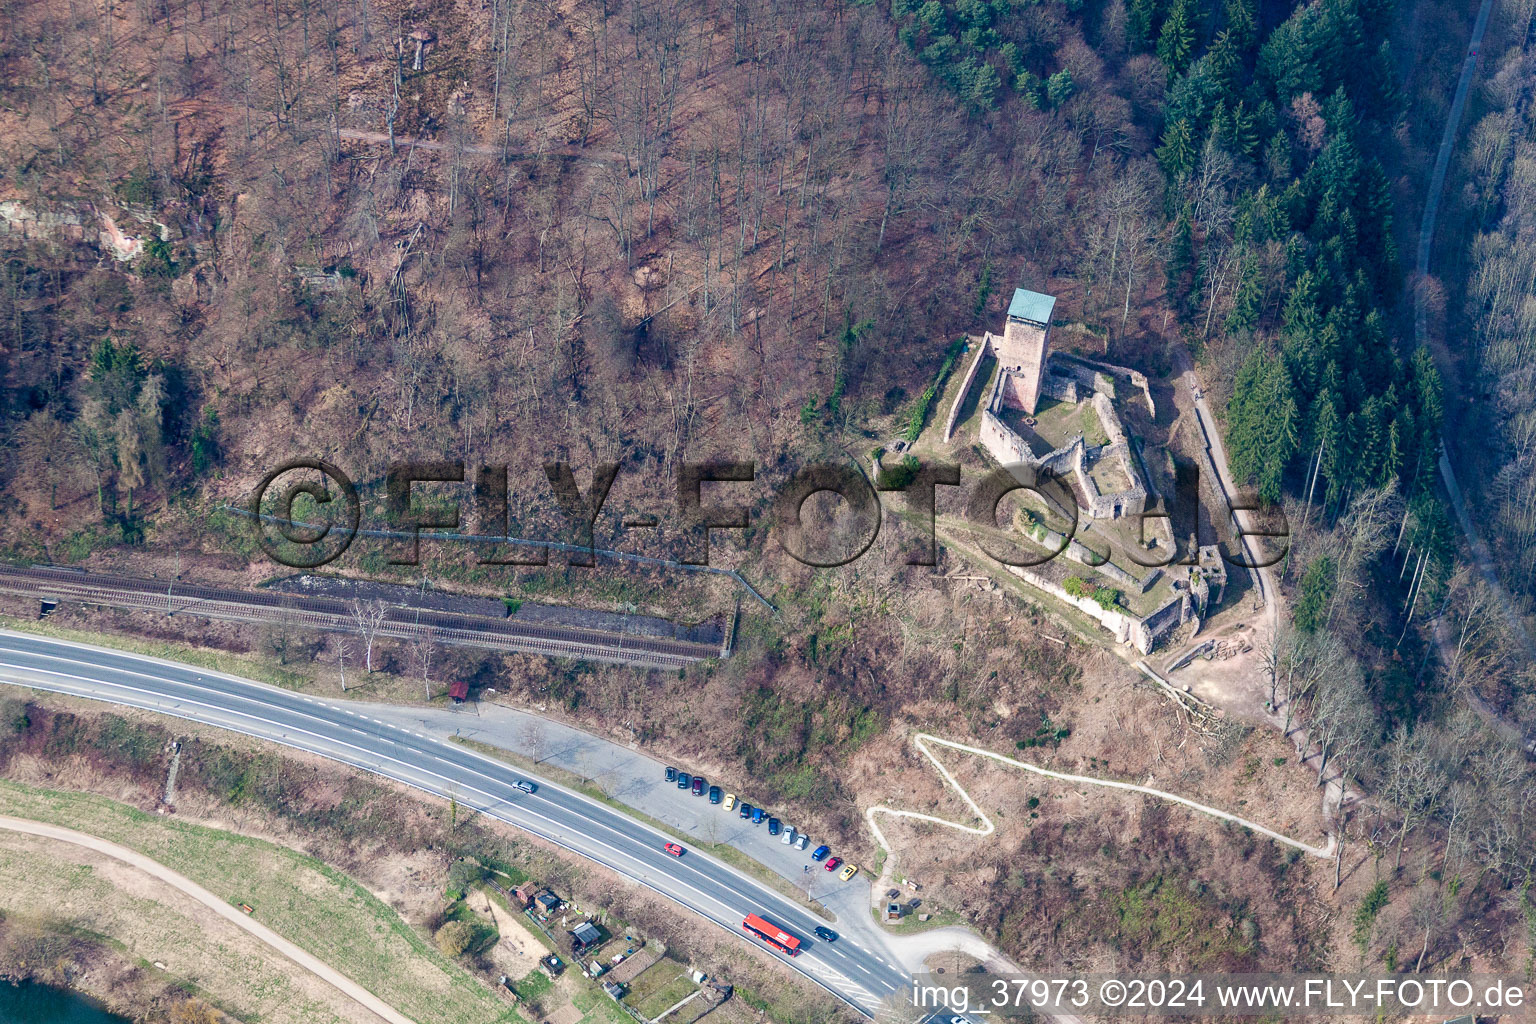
x=411 y=775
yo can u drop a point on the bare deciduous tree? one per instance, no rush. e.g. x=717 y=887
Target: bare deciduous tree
x=46 y=455
x=1334 y=713
x=1426 y=912
x=368 y=616
x=279 y=638
x=423 y=650
x=535 y=739
x=1414 y=781
x=1366 y=527
x=343 y=650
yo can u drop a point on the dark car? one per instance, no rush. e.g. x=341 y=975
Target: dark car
x=758 y=814
x=820 y=852
x=714 y=794
x=698 y=785
x=671 y=774
x=746 y=810
x=825 y=934
x=774 y=827
x=684 y=780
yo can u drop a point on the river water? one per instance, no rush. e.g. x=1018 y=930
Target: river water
x=31 y=1003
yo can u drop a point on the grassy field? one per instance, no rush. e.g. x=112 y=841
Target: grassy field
x=596 y=1006
x=658 y=987
x=312 y=904
x=692 y=1012
x=232 y=970
x=533 y=985
x=910 y=925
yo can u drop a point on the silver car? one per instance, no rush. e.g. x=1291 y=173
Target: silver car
x=789 y=835
x=802 y=842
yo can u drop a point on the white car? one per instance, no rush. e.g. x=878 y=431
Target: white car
x=802 y=842
x=789 y=835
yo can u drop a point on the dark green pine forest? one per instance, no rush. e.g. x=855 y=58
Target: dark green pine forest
x=1277 y=205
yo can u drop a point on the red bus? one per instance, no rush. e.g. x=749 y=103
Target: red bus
x=772 y=934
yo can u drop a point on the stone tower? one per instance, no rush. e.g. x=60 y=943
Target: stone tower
x=1023 y=346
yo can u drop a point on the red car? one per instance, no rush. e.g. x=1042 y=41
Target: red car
x=833 y=862
x=673 y=849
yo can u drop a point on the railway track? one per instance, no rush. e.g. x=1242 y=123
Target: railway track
x=333 y=615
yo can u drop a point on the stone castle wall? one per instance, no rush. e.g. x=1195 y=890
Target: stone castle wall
x=969 y=381
x=1118 y=623
x=1002 y=443
x=1068 y=362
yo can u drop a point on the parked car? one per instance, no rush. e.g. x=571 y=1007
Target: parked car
x=825 y=934
x=745 y=809
x=525 y=786
x=684 y=780
x=833 y=862
x=849 y=870
x=821 y=852
x=730 y=801
x=758 y=814
x=671 y=774
x=802 y=841
x=698 y=785
x=789 y=835
x=673 y=849
x=774 y=826
x=714 y=794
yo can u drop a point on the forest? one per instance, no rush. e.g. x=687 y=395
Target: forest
x=649 y=232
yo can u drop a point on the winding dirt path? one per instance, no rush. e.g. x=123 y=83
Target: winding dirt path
x=133 y=858
x=923 y=740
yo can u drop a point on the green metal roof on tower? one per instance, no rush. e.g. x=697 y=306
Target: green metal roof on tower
x=1031 y=306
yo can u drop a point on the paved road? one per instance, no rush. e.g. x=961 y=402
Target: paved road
x=638 y=780
x=858 y=973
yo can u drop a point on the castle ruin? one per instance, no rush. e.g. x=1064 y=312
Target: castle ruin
x=1110 y=483
x=1056 y=412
